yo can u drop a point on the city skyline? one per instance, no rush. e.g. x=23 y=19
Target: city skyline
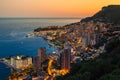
x=52 y=8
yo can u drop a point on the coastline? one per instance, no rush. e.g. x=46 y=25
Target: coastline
x=5 y=70
x=52 y=41
x=8 y=65
x=93 y=40
x=8 y=53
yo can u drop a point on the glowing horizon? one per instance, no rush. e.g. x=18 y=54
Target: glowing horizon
x=52 y=8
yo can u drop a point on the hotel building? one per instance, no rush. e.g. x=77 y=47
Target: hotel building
x=21 y=61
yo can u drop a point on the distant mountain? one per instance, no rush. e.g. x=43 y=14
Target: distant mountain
x=109 y=14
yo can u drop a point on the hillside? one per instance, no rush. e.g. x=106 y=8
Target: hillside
x=105 y=67
x=109 y=14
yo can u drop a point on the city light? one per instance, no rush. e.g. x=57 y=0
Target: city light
x=49 y=67
x=54 y=72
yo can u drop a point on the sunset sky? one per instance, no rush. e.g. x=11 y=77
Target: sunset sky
x=52 y=8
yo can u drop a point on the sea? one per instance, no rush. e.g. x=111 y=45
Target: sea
x=13 y=40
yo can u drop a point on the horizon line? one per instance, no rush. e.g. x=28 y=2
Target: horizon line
x=41 y=17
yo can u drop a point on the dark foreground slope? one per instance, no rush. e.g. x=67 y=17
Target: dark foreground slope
x=109 y=14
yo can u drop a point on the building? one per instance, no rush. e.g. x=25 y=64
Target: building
x=97 y=33
x=21 y=61
x=65 y=59
x=39 y=60
x=36 y=64
x=42 y=55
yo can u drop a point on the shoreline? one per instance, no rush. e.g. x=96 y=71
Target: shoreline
x=2 y=62
x=8 y=65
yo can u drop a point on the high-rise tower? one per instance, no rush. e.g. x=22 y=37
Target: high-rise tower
x=39 y=60
x=65 y=59
x=42 y=55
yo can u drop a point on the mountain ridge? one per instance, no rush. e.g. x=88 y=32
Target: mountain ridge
x=108 y=14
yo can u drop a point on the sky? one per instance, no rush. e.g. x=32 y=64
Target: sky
x=52 y=8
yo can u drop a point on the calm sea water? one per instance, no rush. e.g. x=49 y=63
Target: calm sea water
x=14 y=42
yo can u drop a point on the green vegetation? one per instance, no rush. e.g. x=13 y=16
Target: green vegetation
x=115 y=75
x=104 y=67
x=109 y=14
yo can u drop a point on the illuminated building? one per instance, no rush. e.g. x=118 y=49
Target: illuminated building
x=39 y=60
x=97 y=33
x=21 y=61
x=42 y=55
x=65 y=59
